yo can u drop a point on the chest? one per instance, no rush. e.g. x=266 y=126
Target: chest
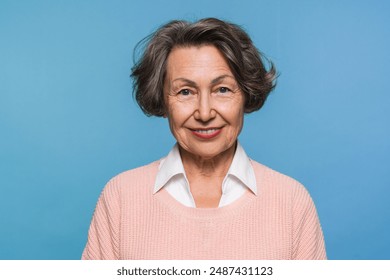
x=164 y=235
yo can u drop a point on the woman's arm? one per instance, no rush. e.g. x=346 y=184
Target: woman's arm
x=103 y=235
x=307 y=237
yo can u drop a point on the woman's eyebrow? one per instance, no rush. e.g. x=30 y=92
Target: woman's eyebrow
x=186 y=81
x=221 y=78
x=213 y=81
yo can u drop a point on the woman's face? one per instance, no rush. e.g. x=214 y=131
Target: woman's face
x=205 y=106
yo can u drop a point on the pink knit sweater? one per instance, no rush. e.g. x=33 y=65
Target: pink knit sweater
x=131 y=223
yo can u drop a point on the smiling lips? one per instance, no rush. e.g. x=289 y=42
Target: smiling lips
x=206 y=133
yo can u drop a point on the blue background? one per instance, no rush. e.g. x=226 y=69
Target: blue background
x=68 y=122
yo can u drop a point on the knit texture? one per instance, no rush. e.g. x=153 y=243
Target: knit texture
x=130 y=222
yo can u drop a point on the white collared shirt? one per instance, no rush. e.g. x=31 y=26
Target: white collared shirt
x=172 y=177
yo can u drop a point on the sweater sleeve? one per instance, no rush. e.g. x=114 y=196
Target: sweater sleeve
x=103 y=235
x=307 y=237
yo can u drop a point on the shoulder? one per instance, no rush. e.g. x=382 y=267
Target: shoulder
x=270 y=180
x=138 y=173
x=279 y=190
x=132 y=180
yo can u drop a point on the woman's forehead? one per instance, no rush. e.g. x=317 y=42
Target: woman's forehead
x=189 y=63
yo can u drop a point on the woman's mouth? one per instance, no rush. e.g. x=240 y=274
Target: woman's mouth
x=207 y=133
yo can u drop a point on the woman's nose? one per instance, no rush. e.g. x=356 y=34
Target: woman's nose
x=205 y=110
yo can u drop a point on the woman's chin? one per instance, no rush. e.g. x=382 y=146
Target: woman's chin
x=206 y=152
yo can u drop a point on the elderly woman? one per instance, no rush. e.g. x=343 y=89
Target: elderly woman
x=206 y=199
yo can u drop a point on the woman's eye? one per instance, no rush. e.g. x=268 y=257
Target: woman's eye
x=223 y=90
x=184 y=92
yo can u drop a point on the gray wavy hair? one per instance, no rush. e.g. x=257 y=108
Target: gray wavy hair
x=244 y=60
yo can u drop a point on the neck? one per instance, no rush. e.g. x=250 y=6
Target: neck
x=218 y=166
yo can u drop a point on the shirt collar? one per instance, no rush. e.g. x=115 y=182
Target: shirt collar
x=169 y=166
x=241 y=168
